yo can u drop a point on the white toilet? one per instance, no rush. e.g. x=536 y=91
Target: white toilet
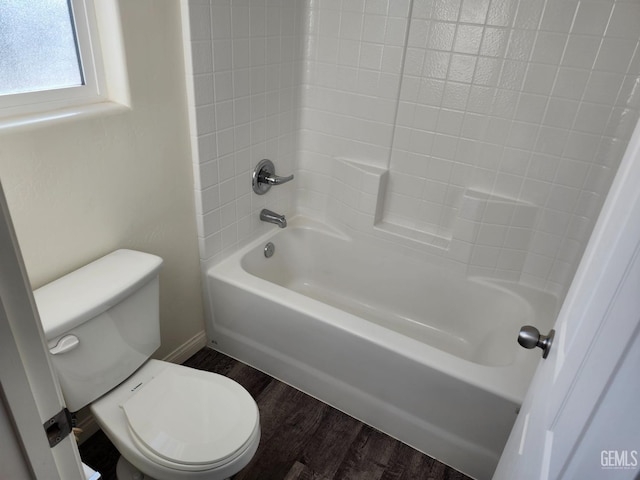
x=169 y=422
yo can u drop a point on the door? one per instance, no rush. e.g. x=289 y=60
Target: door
x=29 y=393
x=580 y=417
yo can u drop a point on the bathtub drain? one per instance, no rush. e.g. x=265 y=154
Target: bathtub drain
x=269 y=249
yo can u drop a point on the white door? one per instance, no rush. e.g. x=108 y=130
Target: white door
x=29 y=393
x=581 y=418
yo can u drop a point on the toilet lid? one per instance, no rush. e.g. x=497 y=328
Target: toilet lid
x=190 y=417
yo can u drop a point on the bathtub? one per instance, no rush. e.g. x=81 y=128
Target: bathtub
x=418 y=351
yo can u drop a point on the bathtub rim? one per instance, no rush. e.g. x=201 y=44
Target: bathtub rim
x=510 y=382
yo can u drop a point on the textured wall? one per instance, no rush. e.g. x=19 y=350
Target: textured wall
x=80 y=188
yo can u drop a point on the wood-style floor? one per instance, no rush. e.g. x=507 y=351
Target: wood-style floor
x=302 y=438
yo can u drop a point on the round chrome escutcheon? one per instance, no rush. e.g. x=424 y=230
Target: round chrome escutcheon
x=269 y=249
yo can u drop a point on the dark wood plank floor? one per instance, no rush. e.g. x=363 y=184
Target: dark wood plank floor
x=302 y=438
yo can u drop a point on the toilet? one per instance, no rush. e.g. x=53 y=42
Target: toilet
x=169 y=422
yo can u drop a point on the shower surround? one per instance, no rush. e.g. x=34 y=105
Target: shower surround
x=495 y=126
x=478 y=136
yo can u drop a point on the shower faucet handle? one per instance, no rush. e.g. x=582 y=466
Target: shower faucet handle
x=264 y=176
x=275 y=179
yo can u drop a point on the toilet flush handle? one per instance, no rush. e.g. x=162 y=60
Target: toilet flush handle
x=65 y=344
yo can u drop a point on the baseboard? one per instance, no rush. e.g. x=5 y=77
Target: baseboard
x=87 y=423
x=188 y=348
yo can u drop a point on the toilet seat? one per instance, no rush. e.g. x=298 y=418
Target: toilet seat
x=190 y=420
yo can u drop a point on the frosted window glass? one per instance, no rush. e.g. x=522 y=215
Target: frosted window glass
x=37 y=46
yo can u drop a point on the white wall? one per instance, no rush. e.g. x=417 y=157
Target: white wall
x=243 y=79
x=80 y=188
x=528 y=103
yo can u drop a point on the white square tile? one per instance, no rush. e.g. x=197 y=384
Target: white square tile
x=581 y=51
x=511 y=260
x=223 y=86
x=487 y=71
x=531 y=108
x=378 y=7
x=203 y=89
x=396 y=30
x=561 y=113
x=371 y=56
x=518 y=238
x=211 y=223
x=494 y=42
x=592 y=118
x=441 y=36
x=207 y=147
x=446 y=10
x=462 y=68
x=512 y=75
x=484 y=256
x=571 y=83
x=615 y=54
x=501 y=12
x=491 y=235
x=430 y=92
x=436 y=64
x=507 y=184
x=374 y=29
x=210 y=199
x=456 y=95
x=422 y=8
x=520 y=45
x=551 y=140
x=529 y=13
x=468 y=39
x=207 y=174
x=450 y=122
x=549 y=47
x=563 y=198
x=221 y=21
x=539 y=78
x=351 y=25
x=202 y=57
x=444 y=147
x=200 y=21
x=558 y=16
x=624 y=20
x=474 y=11
x=592 y=18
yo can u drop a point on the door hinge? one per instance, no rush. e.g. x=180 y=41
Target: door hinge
x=58 y=427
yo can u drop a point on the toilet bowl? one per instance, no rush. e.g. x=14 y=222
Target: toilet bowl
x=169 y=422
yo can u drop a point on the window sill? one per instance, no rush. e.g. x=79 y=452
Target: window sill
x=41 y=119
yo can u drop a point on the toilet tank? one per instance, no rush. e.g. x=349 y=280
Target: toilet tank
x=101 y=323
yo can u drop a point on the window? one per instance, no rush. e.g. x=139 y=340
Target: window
x=48 y=56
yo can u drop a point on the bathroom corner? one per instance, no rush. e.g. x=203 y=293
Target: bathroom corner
x=83 y=186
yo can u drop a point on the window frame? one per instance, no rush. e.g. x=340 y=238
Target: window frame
x=94 y=88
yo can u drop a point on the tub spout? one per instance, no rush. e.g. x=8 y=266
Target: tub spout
x=272 y=217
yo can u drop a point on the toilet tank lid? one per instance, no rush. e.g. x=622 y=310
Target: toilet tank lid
x=85 y=293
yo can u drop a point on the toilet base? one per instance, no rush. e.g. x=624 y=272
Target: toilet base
x=126 y=471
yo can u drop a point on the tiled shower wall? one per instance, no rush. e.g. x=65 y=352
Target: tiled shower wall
x=244 y=74
x=528 y=104
x=490 y=129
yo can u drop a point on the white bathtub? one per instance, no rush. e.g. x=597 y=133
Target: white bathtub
x=420 y=352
